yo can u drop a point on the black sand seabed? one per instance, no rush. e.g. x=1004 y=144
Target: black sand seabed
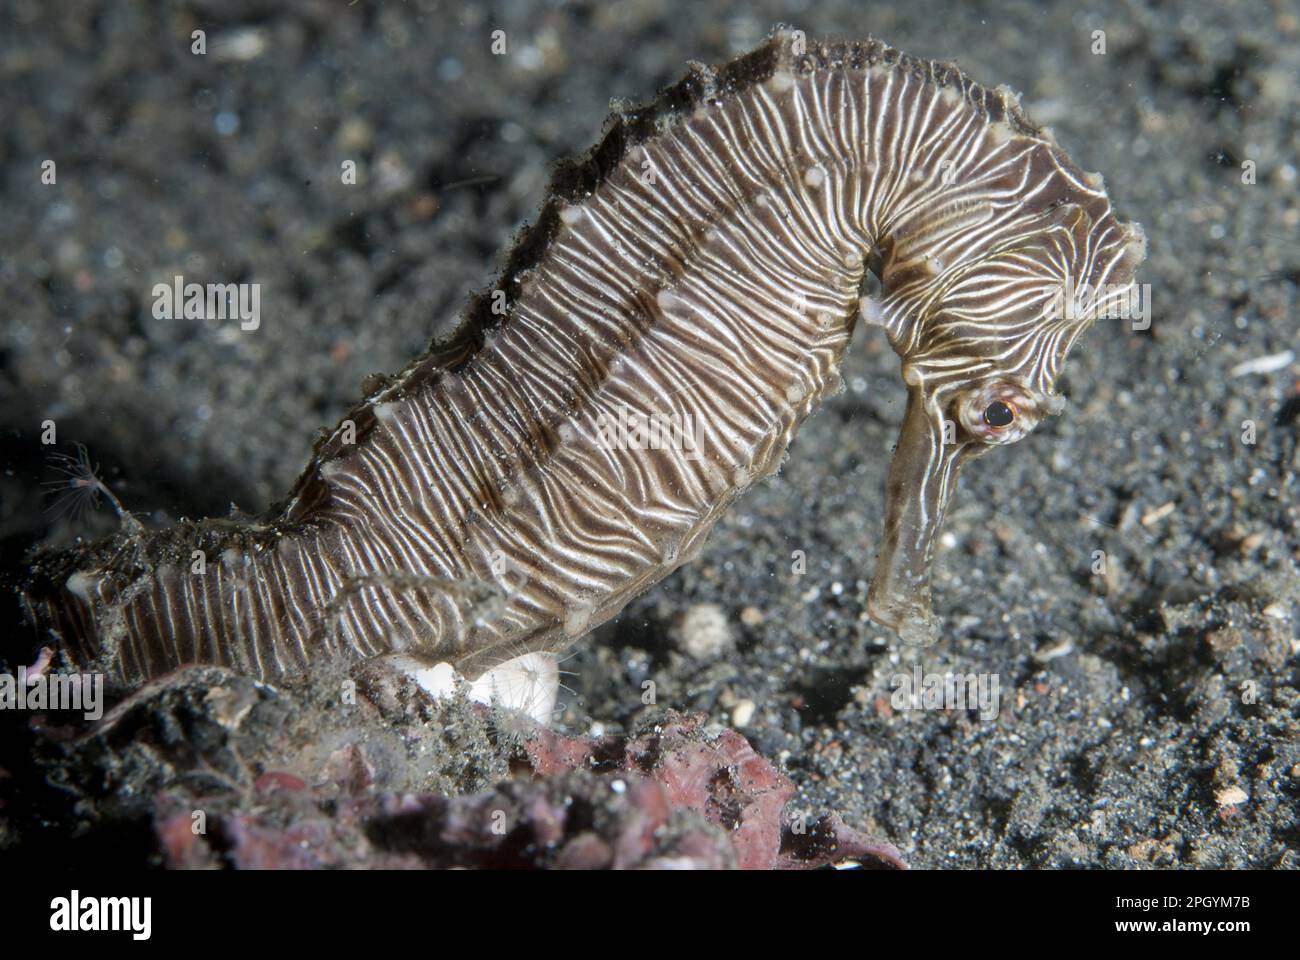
x=1149 y=716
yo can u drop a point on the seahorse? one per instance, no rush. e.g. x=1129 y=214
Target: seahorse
x=704 y=264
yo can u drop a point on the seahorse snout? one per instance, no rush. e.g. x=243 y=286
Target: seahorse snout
x=949 y=421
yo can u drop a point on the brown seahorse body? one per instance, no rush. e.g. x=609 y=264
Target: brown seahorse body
x=703 y=263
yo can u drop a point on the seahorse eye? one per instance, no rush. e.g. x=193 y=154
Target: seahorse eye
x=998 y=414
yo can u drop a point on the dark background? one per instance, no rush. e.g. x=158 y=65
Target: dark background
x=1123 y=725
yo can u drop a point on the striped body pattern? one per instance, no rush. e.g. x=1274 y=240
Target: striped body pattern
x=656 y=339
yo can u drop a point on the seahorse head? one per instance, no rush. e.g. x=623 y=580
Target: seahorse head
x=982 y=341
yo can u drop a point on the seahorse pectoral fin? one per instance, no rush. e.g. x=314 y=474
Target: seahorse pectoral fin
x=921 y=478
